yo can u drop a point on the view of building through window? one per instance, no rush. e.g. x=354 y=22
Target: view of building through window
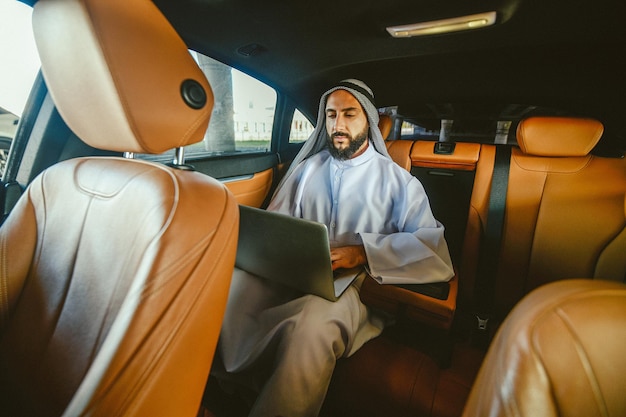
x=20 y=65
x=243 y=112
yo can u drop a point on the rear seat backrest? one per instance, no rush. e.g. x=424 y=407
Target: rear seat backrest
x=399 y=150
x=385 y=122
x=565 y=210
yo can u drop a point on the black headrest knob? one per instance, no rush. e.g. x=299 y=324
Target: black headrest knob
x=193 y=94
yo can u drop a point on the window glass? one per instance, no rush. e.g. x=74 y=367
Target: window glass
x=411 y=130
x=301 y=128
x=19 y=67
x=20 y=61
x=483 y=131
x=243 y=113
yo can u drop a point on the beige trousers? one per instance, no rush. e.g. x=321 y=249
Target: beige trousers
x=285 y=345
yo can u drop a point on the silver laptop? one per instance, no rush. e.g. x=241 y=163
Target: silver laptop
x=291 y=251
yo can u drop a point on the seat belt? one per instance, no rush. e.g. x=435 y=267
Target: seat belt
x=490 y=248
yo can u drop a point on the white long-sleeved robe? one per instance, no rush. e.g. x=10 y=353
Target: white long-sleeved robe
x=287 y=343
x=370 y=200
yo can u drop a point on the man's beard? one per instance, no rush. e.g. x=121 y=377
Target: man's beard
x=347 y=152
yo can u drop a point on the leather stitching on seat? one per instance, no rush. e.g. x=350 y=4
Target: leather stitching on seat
x=585 y=362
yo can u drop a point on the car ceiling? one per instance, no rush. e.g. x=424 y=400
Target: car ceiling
x=566 y=54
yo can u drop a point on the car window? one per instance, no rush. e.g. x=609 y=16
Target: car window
x=20 y=61
x=414 y=131
x=458 y=130
x=20 y=65
x=243 y=113
x=301 y=128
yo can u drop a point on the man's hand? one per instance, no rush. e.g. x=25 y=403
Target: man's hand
x=348 y=256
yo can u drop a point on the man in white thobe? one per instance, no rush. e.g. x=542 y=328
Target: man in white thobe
x=377 y=216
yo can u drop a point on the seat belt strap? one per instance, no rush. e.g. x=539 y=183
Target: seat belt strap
x=489 y=256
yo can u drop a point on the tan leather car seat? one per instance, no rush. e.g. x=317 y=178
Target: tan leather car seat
x=565 y=211
x=559 y=353
x=399 y=150
x=385 y=122
x=115 y=272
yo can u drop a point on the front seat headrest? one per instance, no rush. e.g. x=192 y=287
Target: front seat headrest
x=558 y=136
x=145 y=96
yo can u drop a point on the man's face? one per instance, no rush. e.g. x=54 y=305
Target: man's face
x=346 y=124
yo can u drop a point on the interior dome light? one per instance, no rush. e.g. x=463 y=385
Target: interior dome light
x=474 y=21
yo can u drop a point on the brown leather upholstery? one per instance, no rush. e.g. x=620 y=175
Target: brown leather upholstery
x=115 y=271
x=559 y=353
x=385 y=123
x=476 y=222
x=400 y=152
x=568 y=137
x=127 y=75
x=464 y=157
x=252 y=191
x=565 y=215
x=413 y=305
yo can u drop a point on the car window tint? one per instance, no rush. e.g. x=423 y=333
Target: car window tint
x=20 y=61
x=20 y=65
x=243 y=113
x=459 y=130
x=301 y=128
x=414 y=131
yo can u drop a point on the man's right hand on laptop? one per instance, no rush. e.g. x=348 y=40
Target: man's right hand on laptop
x=347 y=256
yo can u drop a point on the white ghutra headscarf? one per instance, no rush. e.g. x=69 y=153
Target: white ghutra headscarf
x=317 y=141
